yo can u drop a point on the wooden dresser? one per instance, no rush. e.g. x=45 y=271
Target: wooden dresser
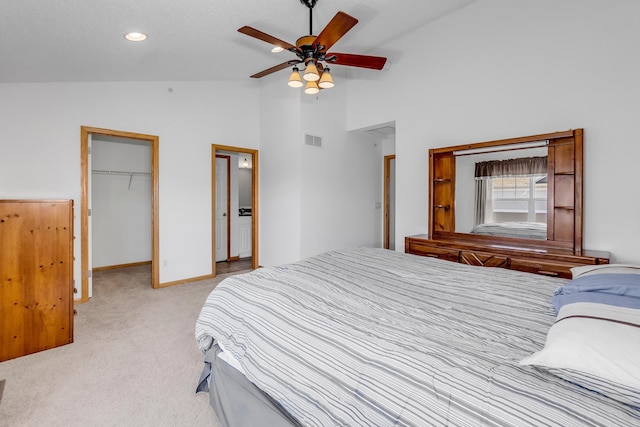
x=36 y=276
x=452 y=219
x=504 y=256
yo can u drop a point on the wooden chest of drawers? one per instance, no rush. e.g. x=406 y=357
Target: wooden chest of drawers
x=36 y=270
x=529 y=260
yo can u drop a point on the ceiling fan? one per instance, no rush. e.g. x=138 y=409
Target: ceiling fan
x=313 y=52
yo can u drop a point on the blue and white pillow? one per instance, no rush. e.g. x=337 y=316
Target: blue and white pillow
x=612 y=288
x=595 y=341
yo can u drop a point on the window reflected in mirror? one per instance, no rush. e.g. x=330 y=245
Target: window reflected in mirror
x=503 y=194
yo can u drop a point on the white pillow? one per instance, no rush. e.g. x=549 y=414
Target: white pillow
x=586 y=270
x=596 y=346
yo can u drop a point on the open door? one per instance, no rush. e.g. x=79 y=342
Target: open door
x=246 y=152
x=222 y=216
x=89 y=220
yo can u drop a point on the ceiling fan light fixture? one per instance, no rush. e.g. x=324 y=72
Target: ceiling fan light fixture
x=312 y=51
x=326 y=81
x=294 y=78
x=311 y=88
x=311 y=72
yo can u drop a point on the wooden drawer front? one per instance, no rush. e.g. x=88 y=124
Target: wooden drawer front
x=433 y=251
x=552 y=269
x=484 y=259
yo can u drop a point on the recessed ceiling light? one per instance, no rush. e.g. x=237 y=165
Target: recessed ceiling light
x=135 y=36
x=277 y=49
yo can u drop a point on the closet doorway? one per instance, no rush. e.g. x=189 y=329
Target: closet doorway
x=389 y=202
x=234 y=208
x=125 y=177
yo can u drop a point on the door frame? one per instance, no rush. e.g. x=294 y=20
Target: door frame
x=228 y=159
x=387 y=178
x=153 y=140
x=254 y=202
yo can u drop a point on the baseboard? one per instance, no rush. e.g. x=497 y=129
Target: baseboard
x=167 y=284
x=112 y=267
x=182 y=281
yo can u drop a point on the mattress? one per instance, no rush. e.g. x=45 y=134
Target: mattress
x=369 y=337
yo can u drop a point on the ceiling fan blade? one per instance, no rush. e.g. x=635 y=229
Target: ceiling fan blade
x=362 y=61
x=335 y=29
x=272 y=70
x=266 y=38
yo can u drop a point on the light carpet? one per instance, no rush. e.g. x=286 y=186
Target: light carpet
x=134 y=361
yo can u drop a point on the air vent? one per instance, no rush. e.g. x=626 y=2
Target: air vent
x=314 y=141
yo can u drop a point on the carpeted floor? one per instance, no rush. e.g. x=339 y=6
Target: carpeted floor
x=134 y=361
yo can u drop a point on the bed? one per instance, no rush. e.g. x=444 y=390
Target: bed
x=519 y=229
x=370 y=337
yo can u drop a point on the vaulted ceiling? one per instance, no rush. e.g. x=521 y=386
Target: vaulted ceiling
x=188 y=40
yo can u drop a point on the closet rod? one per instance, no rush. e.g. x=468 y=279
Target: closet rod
x=109 y=172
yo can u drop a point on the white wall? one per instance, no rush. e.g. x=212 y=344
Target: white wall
x=279 y=169
x=314 y=199
x=495 y=69
x=498 y=69
x=40 y=146
x=340 y=180
x=120 y=205
x=40 y=137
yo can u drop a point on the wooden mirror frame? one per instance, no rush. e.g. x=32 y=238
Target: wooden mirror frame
x=564 y=193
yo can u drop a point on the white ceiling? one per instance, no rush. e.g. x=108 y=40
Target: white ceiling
x=189 y=40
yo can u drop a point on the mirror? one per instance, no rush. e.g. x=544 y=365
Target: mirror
x=524 y=191
x=502 y=193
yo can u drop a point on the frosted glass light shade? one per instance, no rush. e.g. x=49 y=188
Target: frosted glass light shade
x=294 y=78
x=311 y=72
x=311 y=88
x=326 y=81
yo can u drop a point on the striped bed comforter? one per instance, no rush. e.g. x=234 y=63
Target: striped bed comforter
x=369 y=337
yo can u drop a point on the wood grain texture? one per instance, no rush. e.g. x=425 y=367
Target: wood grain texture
x=442 y=182
x=564 y=193
x=36 y=276
x=484 y=259
x=339 y=25
x=542 y=262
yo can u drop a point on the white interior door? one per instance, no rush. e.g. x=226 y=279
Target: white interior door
x=392 y=204
x=89 y=229
x=222 y=208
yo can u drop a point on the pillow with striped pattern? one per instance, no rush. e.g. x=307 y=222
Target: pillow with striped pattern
x=595 y=346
